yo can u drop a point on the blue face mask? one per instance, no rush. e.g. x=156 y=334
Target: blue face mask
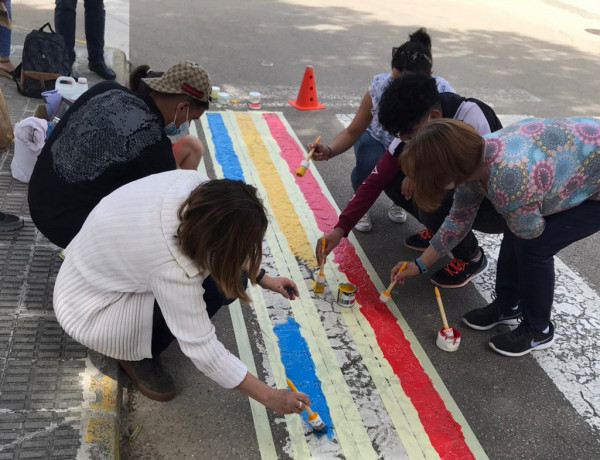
x=173 y=130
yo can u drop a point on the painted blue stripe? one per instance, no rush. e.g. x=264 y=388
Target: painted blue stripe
x=224 y=152
x=295 y=356
x=300 y=369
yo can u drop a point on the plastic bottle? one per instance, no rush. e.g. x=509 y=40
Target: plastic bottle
x=71 y=89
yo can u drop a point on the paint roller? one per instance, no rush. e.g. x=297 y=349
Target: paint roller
x=302 y=168
x=386 y=295
x=320 y=281
x=313 y=418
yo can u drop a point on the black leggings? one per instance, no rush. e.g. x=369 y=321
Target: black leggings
x=214 y=299
x=487 y=220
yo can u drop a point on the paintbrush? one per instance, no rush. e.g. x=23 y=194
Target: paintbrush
x=386 y=295
x=448 y=331
x=316 y=422
x=320 y=281
x=302 y=168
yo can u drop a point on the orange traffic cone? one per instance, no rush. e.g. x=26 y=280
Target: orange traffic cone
x=307 y=95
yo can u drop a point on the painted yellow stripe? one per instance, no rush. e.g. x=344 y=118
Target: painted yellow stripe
x=470 y=437
x=350 y=429
x=262 y=427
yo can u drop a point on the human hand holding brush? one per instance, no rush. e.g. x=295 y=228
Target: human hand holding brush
x=280 y=401
x=332 y=239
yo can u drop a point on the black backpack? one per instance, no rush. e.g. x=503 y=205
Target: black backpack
x=45 y=58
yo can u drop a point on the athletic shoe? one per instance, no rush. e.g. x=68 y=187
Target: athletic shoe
x=397 y=214
x=458 y=272
x=522 y=340
x=487 y=317
x=9 y=223
x=419 y=241
x=364 y=224
x=150 y=378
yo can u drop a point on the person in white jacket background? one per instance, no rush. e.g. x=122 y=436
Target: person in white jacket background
x=132 y=279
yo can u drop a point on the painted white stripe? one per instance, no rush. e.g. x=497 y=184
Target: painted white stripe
x=570 y=362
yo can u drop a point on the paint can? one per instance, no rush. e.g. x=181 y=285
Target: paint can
x=223 y=98
x=214 y=94
x=254 y=100
x=448 y=340
x=346 y=295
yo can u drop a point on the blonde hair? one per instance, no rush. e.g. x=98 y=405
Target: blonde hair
x=223 y=223
x=442 y=152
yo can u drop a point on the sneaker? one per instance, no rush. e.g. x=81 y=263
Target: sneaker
x=150 y=378
x=397 y=214
x=419 y=241
x=9 y=223
x=522 y=340
x=364 y=224
x=458 y=272
x=491 y=315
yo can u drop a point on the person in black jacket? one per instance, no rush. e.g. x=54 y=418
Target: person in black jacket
x=112 y=136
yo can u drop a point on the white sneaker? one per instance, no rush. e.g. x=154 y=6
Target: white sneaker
x=364 y=224
x=397 y=214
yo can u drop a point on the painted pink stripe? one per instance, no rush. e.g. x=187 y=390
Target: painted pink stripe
x=444 y=432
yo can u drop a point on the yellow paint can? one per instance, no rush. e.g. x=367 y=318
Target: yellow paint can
x=346 y=295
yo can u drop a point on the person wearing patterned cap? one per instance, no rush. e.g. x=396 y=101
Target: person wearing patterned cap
x=543 y=177
x=111 y=136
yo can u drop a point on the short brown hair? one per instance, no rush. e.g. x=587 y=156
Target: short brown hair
x=443 y=151
x=223 y=223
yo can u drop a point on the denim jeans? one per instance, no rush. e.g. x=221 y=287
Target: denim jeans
x=64 y=21
x=214 y=299
x=526 y=267
x=367 y=151
x=487 y=219
x=5 y=34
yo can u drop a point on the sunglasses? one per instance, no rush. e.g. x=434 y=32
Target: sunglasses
x=412 y=56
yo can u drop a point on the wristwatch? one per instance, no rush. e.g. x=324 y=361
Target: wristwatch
x=421 y=266
x=260 y=276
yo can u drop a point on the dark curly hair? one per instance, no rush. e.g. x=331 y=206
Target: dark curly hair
x=415 y=54
x=405 y=101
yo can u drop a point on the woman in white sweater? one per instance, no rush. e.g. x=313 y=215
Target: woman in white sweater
x=132 y=279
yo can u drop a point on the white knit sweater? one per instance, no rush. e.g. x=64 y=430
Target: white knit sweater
x=124 y=257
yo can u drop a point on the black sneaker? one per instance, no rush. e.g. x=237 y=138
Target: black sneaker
x=491 y=315
x=9 y=223
x=458 y=272
x=522 y=340
x=419 y=241
x=150 y=378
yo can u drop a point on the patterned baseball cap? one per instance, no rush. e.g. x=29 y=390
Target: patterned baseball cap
x=184 y=77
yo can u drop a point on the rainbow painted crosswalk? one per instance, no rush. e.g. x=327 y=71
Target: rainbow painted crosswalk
x=364 y=371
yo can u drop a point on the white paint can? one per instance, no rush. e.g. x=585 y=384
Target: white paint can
x=214 y=94
x=254 y=100
x=346 y=295
x=448 y=340
x=223 y=98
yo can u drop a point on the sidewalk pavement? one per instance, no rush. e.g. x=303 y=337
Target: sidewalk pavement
x=55 y=403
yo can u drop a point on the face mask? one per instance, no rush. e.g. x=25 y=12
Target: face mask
x=173 y=130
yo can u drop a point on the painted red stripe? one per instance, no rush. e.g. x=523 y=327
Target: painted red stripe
x=444 y=432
